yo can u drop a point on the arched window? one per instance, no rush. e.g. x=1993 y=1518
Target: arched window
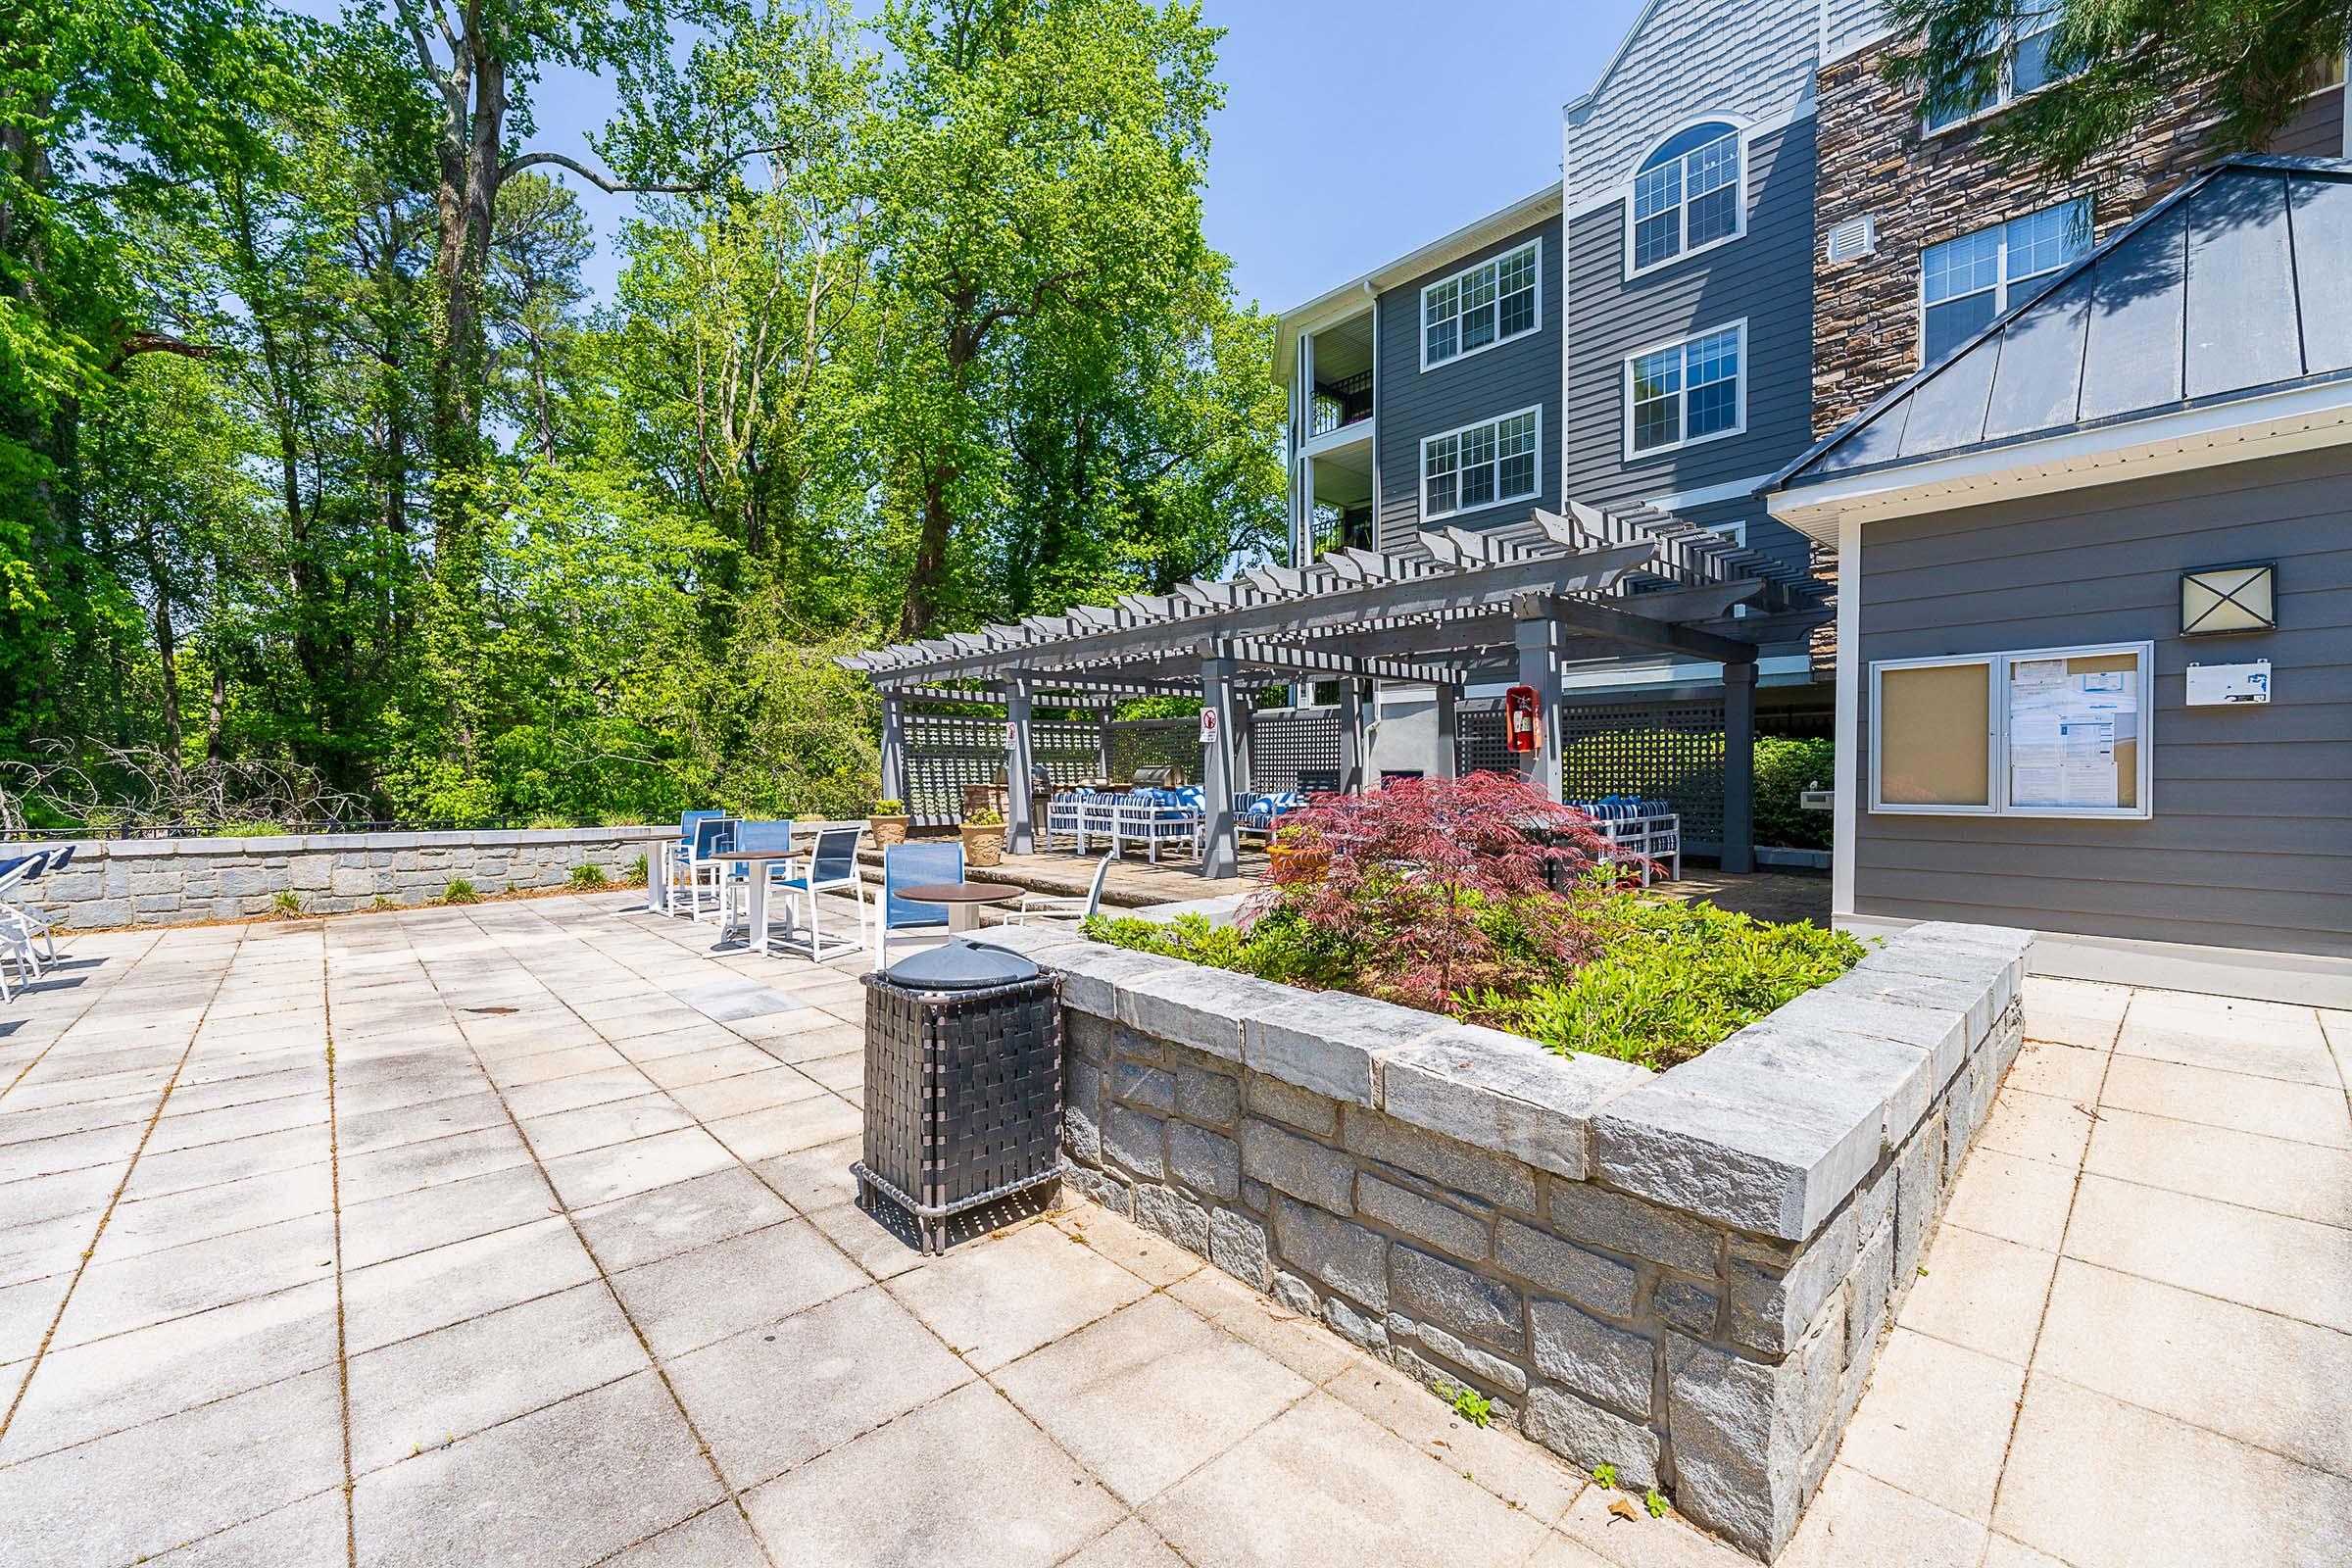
x=1687 y=194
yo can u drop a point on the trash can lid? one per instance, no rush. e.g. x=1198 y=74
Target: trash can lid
x=960 y=966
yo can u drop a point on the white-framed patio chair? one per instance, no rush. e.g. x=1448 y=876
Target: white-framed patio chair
x=1065 y=817
x=676 y=854
x=1041 y=907
x=1153 y=817
x=704 y=877
x=23 y=928
x=1099 y=818
x=831 y=867
x=912 y=865
x=735 y=884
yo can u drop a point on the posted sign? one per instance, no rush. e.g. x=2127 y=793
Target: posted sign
x=1209 y=725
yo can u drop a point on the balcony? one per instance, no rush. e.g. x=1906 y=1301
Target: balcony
x=1339 y=403
x=1337 y=364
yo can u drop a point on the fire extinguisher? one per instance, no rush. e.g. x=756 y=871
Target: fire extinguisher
x=1522 y=720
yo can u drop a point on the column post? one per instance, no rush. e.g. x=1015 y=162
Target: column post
x=1739 y=767
x=1450 y=731
x=1019 y=833
x=1102 y=721
x=1245 y=743
x=1538 y=639
x=1351 y=735
x=1220 y=850
x=894 y=747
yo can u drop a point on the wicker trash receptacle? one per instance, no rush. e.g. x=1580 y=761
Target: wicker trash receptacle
x=963 y=1083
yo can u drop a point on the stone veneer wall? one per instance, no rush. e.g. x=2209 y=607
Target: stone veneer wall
x=119 y=882
x=1925 y=189
x=1683 y=1274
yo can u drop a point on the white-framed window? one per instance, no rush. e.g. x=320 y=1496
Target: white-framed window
x=2026 y=66
x=1689 y=194
x=1482 y=464
x=1679 y=394
x=2040 y=732
x=1965 y=283
x=1496 y=301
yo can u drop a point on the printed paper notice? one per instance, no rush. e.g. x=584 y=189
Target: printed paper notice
x=2063 y=733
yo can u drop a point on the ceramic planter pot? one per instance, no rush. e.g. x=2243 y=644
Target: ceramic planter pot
x=982 y=843
x=888 y=829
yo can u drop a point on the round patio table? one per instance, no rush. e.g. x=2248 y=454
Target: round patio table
x=962 y=899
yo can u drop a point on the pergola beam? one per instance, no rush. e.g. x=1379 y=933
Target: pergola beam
x=1324 y=661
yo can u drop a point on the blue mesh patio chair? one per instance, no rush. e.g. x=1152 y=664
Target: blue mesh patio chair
x=912 y=865
x=735 y=879
x=711 y=834
x=677 y=854
x=831 y=867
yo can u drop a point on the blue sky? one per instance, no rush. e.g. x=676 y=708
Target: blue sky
x=1351 y=132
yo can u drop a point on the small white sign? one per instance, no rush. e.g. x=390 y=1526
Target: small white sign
x=1208 y=725
x=1013 y=734
x=2228 y=685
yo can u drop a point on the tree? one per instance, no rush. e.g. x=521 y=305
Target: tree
x=1037 y=180
x=2118 y=62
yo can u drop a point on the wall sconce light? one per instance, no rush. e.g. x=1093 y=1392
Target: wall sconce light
x=2226 y=599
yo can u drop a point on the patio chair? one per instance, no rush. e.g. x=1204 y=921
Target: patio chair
x=1098 y=817
x=1062 y=906
x=675 y=857
x=910 y=865
x=712 y=835
x=19 y=926
x=1153 y=817
x=1065 y=815
x=735 y=881
x=832 y=867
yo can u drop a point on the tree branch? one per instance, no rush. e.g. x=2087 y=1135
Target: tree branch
x=613 y=187
x=138 y=343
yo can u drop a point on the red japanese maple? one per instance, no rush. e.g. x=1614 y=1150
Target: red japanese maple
x=1432 y=885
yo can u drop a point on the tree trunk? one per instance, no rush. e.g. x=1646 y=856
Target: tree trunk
x=167 y=649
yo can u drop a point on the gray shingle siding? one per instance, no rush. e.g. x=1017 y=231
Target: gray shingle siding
x=2250 y=845
x=1765 y=276
x=1412 y=402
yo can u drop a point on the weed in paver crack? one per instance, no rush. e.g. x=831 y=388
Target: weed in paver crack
x=1468 y=1404
x=286 y=904
x=1604 y=1475
x=457 y=890
x=1655 y=1502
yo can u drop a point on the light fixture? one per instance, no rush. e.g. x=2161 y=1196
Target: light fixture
x=2227 y=599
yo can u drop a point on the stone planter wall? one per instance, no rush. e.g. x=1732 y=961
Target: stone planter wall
x=119 y=882
x=1685 y=1275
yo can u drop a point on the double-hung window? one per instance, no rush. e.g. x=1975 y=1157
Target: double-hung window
x=1687 y=392
x=1687 y=195
x=1964 y=284
x=1492 y=303
x=1480 y=465
x=2024 y=56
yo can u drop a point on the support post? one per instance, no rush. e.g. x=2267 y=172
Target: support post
x=893 y=748
x=1539 y=640
x=1103 y=743
x=1739 y=767
x=1351 y=735
x=1245 y=744
x=1449 y=732
x=1220 y=845
x=1019 y=833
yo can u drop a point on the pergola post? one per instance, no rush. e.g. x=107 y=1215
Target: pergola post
x=894 y=747
x=1103 y=721
x=1449 y=732
x=1351 y=736
x=1220 y=850
x=1020 y=835
x=1739 y=767
x=1245 y=745
x=1539 y=640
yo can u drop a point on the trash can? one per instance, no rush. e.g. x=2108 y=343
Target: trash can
x=963 y=1083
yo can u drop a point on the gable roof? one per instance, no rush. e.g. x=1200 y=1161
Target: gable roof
x=2236 y=287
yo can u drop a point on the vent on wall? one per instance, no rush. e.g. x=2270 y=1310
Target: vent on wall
x=1853 y=239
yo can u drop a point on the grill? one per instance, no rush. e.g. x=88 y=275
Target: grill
x=963 y=1083
x=1157 y=778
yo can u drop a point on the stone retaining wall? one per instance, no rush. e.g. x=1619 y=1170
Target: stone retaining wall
x=1685 y=1275
x=119 y=882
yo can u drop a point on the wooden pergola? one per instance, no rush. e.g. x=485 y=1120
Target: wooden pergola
x=1517 y=604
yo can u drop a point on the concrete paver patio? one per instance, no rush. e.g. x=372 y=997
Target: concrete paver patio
x=524 y=1235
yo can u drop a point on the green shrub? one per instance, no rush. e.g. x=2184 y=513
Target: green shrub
x=458 y=890
x=639 y=870
x=890 y=808
x=1785 y=767
x=285 y=904
x=1669 y=979
x=585 y=876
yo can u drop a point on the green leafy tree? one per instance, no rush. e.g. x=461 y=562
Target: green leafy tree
x=2120 y=64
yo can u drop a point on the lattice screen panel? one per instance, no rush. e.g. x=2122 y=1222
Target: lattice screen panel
x=1478 y=742
x=1155 y=743
x=1287 y=741
x=1664 y=751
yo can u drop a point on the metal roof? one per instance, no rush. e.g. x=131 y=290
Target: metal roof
x=1443 y=610
x=2236 y=285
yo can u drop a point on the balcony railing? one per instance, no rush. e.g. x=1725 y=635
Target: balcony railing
x=1339 y=404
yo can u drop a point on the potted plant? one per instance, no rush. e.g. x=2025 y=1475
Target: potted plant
x=983 y=838
x=1298 y=852
x=889 y=823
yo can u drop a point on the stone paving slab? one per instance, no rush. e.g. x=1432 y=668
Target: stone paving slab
x=582 y=1282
